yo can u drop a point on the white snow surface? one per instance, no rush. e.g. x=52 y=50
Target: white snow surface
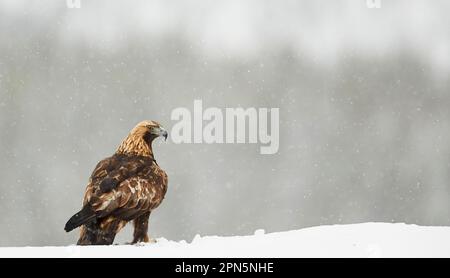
x=354 y=240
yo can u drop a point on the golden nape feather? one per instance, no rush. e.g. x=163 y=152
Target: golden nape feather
x=124 y=187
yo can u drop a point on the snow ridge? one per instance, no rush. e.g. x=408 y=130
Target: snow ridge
x=354 y=240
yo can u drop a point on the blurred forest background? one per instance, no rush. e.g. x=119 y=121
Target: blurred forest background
x=364 y=98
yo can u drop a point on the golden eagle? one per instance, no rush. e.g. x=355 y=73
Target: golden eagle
x=126 y=186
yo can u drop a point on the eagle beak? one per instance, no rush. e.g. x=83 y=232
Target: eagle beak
x=160 y=131
x=163 y=133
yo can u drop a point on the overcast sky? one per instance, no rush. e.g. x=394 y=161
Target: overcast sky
x=320 y=29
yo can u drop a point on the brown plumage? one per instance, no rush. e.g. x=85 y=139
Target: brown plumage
x=126 y=186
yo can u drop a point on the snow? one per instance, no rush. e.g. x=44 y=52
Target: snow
x=354 y=240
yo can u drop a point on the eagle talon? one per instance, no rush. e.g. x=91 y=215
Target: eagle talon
x=144 y=240
x=141 y=243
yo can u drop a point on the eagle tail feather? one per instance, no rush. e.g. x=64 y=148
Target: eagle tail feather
x=85 y=215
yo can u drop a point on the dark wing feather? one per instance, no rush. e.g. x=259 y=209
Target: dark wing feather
x=140 y=195
x=110 y=172
x=125 y=187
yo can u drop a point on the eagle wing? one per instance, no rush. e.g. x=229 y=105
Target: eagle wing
x=125 y=187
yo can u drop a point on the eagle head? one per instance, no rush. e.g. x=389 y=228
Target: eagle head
x=139 y=140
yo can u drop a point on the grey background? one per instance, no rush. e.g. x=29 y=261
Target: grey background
x=364 y=99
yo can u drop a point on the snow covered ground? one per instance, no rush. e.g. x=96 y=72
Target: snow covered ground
x=356 y=240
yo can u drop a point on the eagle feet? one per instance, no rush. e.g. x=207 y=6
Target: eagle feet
x=143 y=240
